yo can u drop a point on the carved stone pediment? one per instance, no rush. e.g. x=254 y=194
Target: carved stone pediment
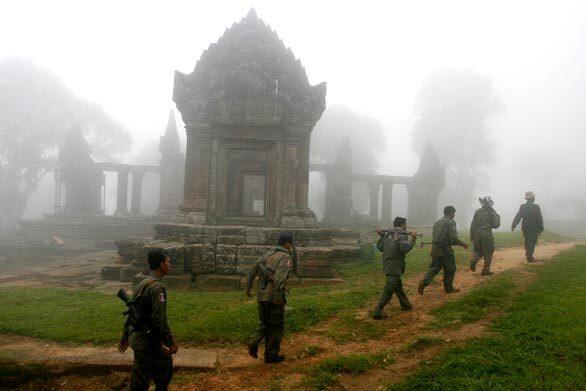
x=249 y=77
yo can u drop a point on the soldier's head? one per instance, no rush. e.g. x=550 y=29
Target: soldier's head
x=450 y=212
x=285 y=240
x=159 y=262
x=530 y=196
x=486 y=201
x=400 y=222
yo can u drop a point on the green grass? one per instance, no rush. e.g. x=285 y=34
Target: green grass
x=208 y=317
x=492 y=295
x=327 y=372
x=540 y=344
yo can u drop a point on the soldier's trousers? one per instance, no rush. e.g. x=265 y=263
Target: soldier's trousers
x=448 y=264
x=394 y=285
x=530 y=243
x=271 y=327
x=483 y=248
x=153 y=364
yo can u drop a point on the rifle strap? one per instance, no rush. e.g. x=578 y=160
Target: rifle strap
x=145 y=286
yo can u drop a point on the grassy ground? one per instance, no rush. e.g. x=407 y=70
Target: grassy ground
x=540 y=344
x=212 y=317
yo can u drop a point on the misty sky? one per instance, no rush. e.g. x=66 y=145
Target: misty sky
x=373 y=55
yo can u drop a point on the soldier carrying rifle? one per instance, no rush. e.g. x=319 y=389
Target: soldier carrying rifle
x=394 y=244
x=445 y=235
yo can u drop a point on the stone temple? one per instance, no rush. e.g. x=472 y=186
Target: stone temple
x=249 y=111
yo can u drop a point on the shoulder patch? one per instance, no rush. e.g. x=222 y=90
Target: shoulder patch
x=162 y=297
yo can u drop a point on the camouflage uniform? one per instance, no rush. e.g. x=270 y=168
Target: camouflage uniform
x=271 y=298
x=484 y=221
x=394 y=246
x=445 y=235
x=531 y=226
x=150 y=360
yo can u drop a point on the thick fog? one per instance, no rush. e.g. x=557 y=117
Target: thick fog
x=508 y=80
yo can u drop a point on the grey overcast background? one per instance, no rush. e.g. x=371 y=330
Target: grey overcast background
x=374 y=56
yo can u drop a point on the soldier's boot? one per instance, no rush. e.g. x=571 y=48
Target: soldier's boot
x=486 y=268
x=275 y=359
x=473 y=264
x=421 y=287
x=253 y=349
x=378 y=314
x=452 y=290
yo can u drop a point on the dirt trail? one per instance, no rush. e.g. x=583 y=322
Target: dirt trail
x=234 y=370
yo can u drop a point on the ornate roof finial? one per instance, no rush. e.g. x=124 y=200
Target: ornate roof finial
x=251 y=14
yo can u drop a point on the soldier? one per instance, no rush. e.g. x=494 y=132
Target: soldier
x=532 y=225
x=445 y=236
x=394 y=245
x=152 y=342
x=484 y=221
x=273 y=270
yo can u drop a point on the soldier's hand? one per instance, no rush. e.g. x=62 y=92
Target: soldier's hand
x=173 y=349
x=465 y=246
x=122 y=345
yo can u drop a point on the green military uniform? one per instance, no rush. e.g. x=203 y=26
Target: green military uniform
x=484 y=221
x=151 y=361
x=273 y=270
x=445 y=235
x=394 y=246
x=531 y=226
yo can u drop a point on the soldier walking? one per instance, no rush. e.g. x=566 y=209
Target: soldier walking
x=484 y=221
x=152 y=342
x=394 y=245
x=273 y=270
x=445 y=235
x=532 y=225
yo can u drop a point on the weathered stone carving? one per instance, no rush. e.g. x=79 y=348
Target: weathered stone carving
x=171 y=169
x=424 y=189
x=82 y=177
x=249 y=111
x=338 y=206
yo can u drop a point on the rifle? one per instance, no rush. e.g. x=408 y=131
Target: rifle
x=387 y=231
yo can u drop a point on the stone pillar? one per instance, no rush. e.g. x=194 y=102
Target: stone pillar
x=387 y=205
x=302 y=176
x=290 y=177
x=122 y=193
x=373 y=189
x=136 y=200
x=197 y=171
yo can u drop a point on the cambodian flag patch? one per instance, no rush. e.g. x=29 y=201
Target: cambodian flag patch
x=162 y=297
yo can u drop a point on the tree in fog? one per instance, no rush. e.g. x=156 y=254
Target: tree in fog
x=451 y=109
x=366 y=139
x=36 y=112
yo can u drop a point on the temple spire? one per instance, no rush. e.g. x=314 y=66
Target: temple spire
x=170 y=142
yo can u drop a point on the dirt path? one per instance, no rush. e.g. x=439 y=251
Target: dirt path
x=234 y=370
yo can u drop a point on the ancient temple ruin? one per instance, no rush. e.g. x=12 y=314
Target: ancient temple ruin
x=249 y=111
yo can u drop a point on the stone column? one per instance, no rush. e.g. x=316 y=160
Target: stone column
x=373 y=194
x=290 y=177
x=387 y=205
x=197 y=171
x=302 y=177
x=122 y=193
x=136 y=200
